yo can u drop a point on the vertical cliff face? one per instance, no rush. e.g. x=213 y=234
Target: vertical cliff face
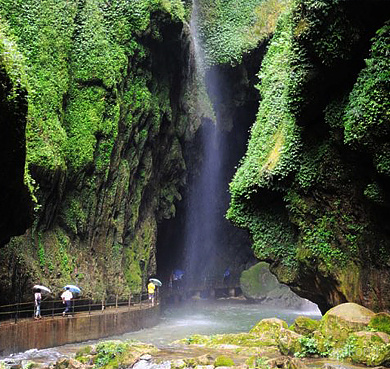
x=103 y=100
x=312 y=188
x=15 y=202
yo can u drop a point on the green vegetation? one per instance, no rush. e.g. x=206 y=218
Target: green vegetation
x=299 y=186
x=309 y=347
x=114 y=354
x=231 y=28
x=271 y=155
x=99 y=86
x=367 y=113
x=380 y=323
x=12 y=61
x=223 y=361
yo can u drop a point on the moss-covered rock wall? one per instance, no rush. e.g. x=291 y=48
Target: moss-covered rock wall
x=94 y=94
x=94 y=101
x=15 y=203
x=312 y=188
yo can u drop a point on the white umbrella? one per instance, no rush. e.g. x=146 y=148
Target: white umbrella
x=42 y=288
x=156 y=282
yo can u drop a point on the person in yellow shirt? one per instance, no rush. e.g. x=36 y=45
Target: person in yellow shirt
x=151 y=291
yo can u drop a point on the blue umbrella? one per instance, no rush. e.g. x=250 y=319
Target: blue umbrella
x=72 y=288
x=178 y=273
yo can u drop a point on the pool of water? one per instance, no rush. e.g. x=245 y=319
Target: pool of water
x=221 y=316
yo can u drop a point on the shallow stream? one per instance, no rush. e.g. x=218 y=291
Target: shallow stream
x=196 y=317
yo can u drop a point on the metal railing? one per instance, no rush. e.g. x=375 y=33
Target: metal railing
x=12 y=313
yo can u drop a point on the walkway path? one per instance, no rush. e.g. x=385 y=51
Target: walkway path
x=28 y=333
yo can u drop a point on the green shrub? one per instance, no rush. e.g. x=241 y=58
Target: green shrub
x=380 y=322
x=223 y=361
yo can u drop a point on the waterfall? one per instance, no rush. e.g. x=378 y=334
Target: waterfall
x=205 y=204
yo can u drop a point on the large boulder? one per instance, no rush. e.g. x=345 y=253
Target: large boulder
x=270 y=327
x=289 y=342
x=258 y=283
x=304 y=325
x=343 y=319
x=370 y=348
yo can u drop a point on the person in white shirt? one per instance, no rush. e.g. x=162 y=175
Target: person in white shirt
x=37 y=298
x=66 y=298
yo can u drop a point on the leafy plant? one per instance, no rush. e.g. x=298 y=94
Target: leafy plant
x=309 y=347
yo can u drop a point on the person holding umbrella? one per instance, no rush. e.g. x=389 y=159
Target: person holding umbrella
x=66 y=298
x=151 y=289
x=153 y=283
x=38 y=290
x=37 y=300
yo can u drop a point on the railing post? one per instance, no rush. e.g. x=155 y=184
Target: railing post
x=116 y=301
x=129 y=300
x=89 y=306
x=16 y=312
x=102 y=304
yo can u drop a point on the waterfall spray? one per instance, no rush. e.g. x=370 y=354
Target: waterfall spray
x=204 y=207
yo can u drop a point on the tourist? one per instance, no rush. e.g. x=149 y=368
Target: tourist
x=66 y=299
x=226 y=276
x=37 y=298
x=151 y=291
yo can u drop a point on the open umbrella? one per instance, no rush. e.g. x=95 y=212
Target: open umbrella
x=178 y=273
x=156 y=282
x=42 y=288
x=72 y=288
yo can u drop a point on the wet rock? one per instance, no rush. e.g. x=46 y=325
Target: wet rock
x=286 y=362
x=69 y=364
x=204 y=360
x=344 y=319
x=370 y=348
x=304 y=325
x=271 y=326
x=146 y=357
x=141 y=364
x=178 y=364
x=289 y=342
x=12 y=364
x=268 y=331
x=258 y=283
x=28 y=364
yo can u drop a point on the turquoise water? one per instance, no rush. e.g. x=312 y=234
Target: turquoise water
x=221 y=316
